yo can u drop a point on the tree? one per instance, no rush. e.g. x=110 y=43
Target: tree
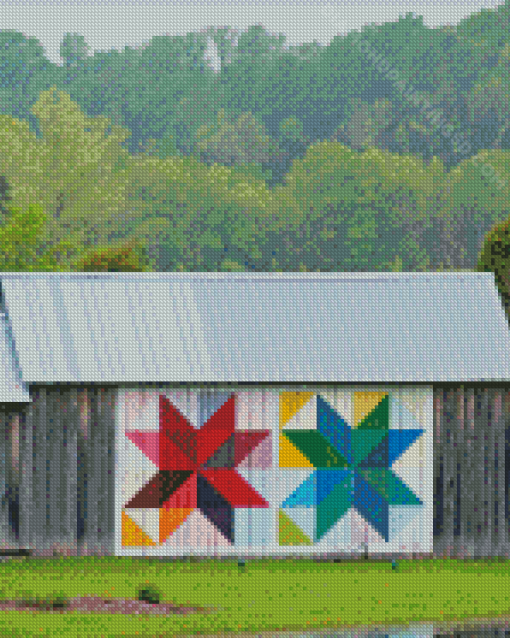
x=307 y=51
x=252 y=80
x=487 y=27
x=196 y=46
x=139 y=88
x=162 y=148
x=495 y=257
x=172 y=68
x=92 y=190
x=198 y=108
x=96 y=194
x=474 y=197
x=194 y=217
x=346 y=210
x=243 y=141
x=21 y=247
x=71 y=171
x=22 y=65
x=257 y=41
x=4 y=194
x=79 y=184
x=322 y=83
x=489 y=106
x=73 y=49
x=20 y=58
x=290 y=143
x=365 y=124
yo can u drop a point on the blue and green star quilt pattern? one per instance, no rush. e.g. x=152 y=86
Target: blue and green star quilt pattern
x=273 y=471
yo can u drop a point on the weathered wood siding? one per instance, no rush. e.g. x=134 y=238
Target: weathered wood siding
x=471 y=471
x=61 y=480
x=8 y=478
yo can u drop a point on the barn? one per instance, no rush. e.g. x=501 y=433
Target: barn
x=254 y=414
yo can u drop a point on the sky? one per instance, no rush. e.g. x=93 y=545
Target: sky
x=107 y=24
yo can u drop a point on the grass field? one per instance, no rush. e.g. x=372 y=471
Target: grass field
x=265 y=595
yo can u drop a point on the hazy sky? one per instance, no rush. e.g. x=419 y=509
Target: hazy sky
x=107 y=24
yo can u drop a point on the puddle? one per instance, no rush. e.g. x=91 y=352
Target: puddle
x=479 y=627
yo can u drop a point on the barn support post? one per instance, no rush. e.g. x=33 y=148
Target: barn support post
x=27 y=511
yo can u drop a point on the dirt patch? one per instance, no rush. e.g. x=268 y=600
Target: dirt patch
x=99 y=605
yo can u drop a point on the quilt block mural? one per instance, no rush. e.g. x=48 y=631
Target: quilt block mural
x=273 y=471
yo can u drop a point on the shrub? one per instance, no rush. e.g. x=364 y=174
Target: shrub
x=495 y=257
x=57 y=599
x=123 y=256
x=149 y=594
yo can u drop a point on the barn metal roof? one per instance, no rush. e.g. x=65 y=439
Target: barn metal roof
x=257 y=327
x=12 y=388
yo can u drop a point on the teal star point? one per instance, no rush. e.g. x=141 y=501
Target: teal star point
x=352 y=467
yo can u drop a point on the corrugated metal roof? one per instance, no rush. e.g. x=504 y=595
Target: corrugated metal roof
x=258 y=327
x=12 y=388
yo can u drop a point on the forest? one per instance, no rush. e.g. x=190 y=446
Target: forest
x=387 y=149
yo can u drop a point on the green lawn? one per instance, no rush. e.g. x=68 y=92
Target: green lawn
x=262 y=596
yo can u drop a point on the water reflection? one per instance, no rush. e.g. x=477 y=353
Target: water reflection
x=484 y=627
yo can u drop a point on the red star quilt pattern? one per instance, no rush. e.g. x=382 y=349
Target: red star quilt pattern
x=197 y=470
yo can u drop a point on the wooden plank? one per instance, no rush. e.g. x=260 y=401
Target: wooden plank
x=5 y=532
x=26 y=512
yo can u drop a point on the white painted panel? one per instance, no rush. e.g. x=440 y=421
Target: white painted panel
x=274 y=470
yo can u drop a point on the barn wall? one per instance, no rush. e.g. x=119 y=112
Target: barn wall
x=63 y=444
x=471 y=471
x=59 y=482
x=270 y=492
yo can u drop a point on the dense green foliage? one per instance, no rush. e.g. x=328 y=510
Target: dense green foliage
x=290 y=158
